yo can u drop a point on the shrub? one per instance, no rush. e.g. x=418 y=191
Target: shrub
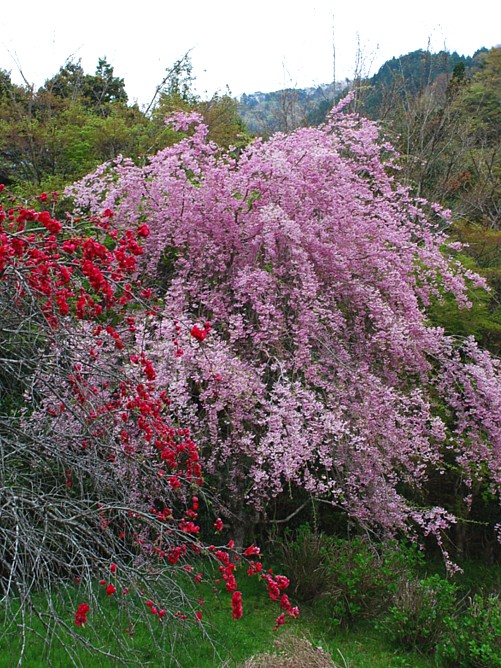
x=358 y=577
x=363 y=577
x=474 y=637
x=306 y=555
x=421 y=613
x=98 y=481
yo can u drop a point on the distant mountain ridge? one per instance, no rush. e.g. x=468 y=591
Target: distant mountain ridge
x=286 y=109
x=413 y=72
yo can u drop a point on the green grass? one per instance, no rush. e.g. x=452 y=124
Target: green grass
x=221 y=640
x=218 y=641
x=359 y=647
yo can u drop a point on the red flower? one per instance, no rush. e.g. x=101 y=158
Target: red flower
x=218 y=524
x=285 y=603
x=251 y=551
x=53 y=226
x=236 y=604
x=231 y=583
x=81 y=614
x=279 y=621
x=174 y=482
x=254 y=568
x=143 y=231
x=200 y=334
x=110 y=589
x=282 y=582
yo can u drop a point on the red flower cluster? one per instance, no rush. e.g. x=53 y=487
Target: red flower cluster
x=155 y=611
x=176 y=553
x=276 y=585
x=254 y=568
x=84 y=278
x=227 y=570
x=81 y=614
x=51 y=265
x=200 y=334
x=236 y=605
x=49 y=223
x=143 y=231
x=252 y=550
x=110 y=589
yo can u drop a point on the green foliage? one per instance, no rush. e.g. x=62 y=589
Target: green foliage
x=357 y=577
x=431 y=616
x=483 y=319
x=364 y=577
x=478 y=577
x=218 y=641
x=421 y=613
x=482 y=98
x=405 y=77
x=76 y=121
x=176 y=90
x=96 y=92
x=285 y=110
x=226 y=127
x=474 y=637
x=6 y=86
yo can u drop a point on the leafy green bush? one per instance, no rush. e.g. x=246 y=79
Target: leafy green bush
x=474 y=637
x=358 y=577
x=363 y=576
x=422 y=613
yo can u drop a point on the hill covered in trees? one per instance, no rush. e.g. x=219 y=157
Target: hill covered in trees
x=409 y=74
x=51 y=136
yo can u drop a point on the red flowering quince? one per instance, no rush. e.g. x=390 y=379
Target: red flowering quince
x=81 y=614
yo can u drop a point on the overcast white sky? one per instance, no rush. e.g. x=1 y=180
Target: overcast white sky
x=258 y=45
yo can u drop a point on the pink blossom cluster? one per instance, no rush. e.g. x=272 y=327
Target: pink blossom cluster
x=314 y=268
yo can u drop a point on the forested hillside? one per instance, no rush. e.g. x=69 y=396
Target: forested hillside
x=51 y=136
